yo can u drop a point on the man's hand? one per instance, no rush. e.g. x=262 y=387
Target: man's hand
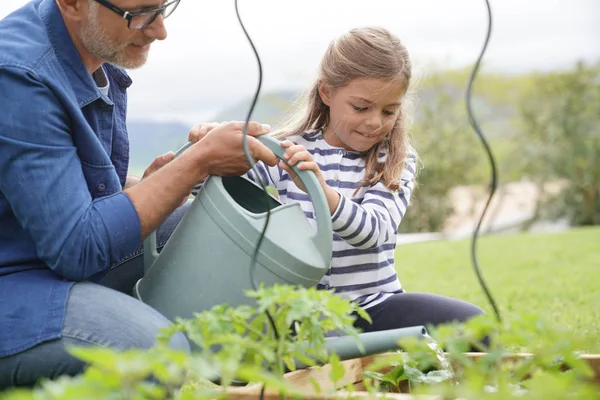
x=223 y=151
x=158 y=163
x=131 y=180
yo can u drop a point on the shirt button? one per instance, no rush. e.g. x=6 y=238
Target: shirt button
x=101 y=187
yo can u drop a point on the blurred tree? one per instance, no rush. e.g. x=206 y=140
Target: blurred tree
x=559 y=114
x=449 y=152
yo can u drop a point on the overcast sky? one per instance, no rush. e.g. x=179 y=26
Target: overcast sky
x=206 y=62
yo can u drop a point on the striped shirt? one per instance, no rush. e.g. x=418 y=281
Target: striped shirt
x=365 y=223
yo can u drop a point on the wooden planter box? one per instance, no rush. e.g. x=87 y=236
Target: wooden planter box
x=354 y=375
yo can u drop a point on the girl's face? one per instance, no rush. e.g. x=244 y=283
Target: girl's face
x=361 y=113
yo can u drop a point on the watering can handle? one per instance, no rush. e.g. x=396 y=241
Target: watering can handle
x=322 y=239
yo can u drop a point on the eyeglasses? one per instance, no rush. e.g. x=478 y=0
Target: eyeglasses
x=141 y=19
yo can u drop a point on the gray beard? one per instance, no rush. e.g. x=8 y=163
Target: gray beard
x=96 y=41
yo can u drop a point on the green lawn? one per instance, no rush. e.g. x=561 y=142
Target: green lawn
x=556 y=275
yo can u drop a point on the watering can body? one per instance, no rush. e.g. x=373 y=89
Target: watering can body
x=208 y=258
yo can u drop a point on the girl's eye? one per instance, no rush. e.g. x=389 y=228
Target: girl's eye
x=360 y=109
x=356 y=108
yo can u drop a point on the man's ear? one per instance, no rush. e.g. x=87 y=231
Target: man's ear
x=74 y=10
x=324 y=93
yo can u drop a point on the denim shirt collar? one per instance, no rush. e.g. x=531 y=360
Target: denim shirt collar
x=84 y=87
x=120 y=76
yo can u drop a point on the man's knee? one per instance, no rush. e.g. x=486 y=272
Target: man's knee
x=108 y=318
x=95 y=316
x=48 y=360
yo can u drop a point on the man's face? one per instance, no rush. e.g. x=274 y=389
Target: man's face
x=106 y=36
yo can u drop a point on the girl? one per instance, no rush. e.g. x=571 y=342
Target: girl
x=351 y=131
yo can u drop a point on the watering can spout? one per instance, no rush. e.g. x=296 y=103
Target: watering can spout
x=346 y=347
x=369 y=343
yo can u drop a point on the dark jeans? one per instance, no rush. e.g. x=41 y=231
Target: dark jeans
x=404 y=310
x=102 y=314
x=412 y=309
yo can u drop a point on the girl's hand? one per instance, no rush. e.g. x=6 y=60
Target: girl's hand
x=297 y=154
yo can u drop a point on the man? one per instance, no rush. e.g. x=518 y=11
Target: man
x=70 y=217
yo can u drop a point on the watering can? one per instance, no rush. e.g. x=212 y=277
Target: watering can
x=206 y=261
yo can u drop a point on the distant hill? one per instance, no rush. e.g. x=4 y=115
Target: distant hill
x=270 y=107
x=148 y=139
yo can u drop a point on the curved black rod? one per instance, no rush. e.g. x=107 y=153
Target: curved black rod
x=494 y=172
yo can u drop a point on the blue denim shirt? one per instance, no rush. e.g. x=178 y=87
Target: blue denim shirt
x=63 y=163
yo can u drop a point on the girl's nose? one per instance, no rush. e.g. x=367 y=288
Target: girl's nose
x=374 y=121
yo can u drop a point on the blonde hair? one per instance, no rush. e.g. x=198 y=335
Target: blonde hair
x=367 y=52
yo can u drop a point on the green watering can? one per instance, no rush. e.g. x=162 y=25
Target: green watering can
x=206 y=260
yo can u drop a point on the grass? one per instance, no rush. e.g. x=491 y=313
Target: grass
x=555 y=275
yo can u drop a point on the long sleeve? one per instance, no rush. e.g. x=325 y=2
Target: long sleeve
x=42 y=179
x=376 y=219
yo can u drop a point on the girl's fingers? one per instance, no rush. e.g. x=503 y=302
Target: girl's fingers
x=300 y=156
x=287 y=169
x=308 y=166
x=303 y=166
x=293 y=150
x=286 y=144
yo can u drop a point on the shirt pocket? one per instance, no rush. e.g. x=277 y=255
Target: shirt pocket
x=102 y=180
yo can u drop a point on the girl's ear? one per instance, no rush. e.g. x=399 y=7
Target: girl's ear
x=324 y=93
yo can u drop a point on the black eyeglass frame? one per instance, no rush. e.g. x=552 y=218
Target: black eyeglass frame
x=130 y=15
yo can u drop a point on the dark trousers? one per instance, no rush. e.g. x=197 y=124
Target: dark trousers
x=411 y=309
